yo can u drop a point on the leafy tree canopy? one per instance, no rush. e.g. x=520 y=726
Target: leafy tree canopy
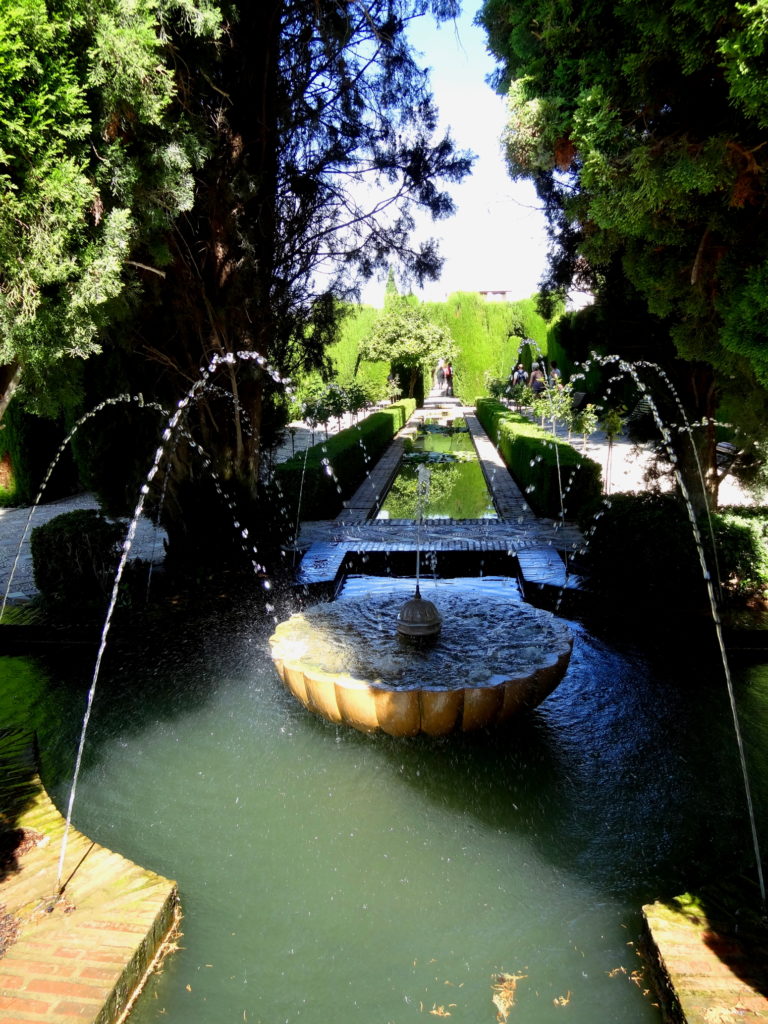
x=403 y=335
x=644 y=126
x=79 y=188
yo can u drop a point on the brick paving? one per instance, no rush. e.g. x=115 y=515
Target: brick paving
x=85 y=954
x=709 y=975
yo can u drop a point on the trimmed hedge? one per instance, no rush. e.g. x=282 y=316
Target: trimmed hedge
x=641 y=551
x=74 y=559
x=334 y=469
x=532 y=456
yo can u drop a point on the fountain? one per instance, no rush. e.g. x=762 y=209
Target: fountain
x=317 y=864
x=419 y=620
x=344 y=661
x=377 y=665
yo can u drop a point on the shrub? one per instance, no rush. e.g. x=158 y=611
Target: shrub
x=330 y=471
x=533 y=456
x=641 y=550
x=496 y=387
x=28 y=445
x=741 y=539
x=74 y=558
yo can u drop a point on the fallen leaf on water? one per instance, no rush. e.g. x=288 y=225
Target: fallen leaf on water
x=439 y=1011
x=617 y=970
x=188 y=988
x=562 y=1000
x=504 y=994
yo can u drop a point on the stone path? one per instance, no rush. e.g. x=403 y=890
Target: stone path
x=84 y=955
x=16 y=525
x=709 y=975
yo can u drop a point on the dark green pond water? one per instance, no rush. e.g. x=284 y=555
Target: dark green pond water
x=327 y=876
x=457 y=488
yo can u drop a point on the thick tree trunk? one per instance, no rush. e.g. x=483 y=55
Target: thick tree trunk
x=10 y=377
x=696 y=449
x=217 y=296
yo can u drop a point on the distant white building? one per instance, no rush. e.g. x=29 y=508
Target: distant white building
x=500 y=295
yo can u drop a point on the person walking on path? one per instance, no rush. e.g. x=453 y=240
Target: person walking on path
x=440 y=377
x=538 y=380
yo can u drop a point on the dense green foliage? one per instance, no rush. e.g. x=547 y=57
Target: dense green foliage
x=403 y=337
x=74 y=558
x=344 y=354
x=489 y=336
x=486 y=336
x=641 y=550
x=741 y=540
x=543 y=466
x=93 y=165
x=643 y=126
x=313 y=484
x=28 y=446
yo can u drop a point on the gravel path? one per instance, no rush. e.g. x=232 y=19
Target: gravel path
x=16 y=524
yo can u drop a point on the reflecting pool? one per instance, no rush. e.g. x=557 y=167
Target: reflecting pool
x=330 y=876
x=457 y=488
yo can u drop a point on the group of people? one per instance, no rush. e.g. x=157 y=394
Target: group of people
x=444 y=379
x=537 y=380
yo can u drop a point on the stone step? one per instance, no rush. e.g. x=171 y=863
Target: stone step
x=545 y=567
x=321 y=563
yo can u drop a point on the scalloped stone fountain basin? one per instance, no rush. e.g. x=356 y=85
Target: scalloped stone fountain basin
x=344 y=661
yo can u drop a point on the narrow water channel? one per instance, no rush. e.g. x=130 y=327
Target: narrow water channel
x=330 y=876
x=457 y=487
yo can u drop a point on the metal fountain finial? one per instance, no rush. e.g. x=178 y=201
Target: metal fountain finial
x=419 y=618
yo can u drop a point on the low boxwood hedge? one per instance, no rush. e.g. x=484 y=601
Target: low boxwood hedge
x=532 y=456
x=74 y=559
x=327 y=473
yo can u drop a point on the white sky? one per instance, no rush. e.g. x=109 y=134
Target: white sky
x=496 y=240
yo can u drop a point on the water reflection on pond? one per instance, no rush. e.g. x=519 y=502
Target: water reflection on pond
x=457 y=488
x=330 y=876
